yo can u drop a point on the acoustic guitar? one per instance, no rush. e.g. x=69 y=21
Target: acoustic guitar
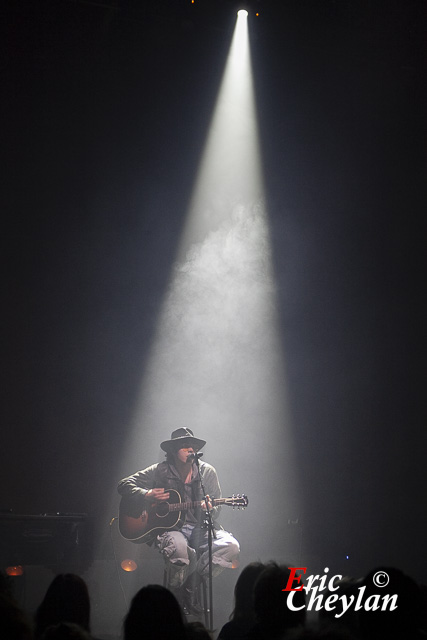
x=159 y=517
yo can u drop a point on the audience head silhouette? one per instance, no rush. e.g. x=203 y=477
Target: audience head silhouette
x=273 y=615
x=242 y=618
x=66 y=600
x=244 y=589
x=66 y=631
x=154 y=613
x=402 y=622
x=14 y=624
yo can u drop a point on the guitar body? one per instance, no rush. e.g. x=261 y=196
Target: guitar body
x=159 y=517
x=153 y=521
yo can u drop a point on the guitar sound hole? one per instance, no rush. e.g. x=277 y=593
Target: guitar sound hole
x=162 y=509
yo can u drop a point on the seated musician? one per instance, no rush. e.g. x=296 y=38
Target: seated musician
x=185 y=545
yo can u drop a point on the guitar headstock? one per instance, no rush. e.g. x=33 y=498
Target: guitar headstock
x=237 y=501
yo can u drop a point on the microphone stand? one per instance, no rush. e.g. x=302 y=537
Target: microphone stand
x=211 y=534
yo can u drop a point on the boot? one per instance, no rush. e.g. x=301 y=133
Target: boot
x=191 y=593
x=182 y=594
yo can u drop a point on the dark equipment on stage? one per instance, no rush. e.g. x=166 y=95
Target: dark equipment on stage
x=63 y=542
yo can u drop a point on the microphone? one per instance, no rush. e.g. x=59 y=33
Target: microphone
x=194 y=456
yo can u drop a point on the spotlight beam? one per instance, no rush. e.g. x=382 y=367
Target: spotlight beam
x=230 y=169
x=216 y=361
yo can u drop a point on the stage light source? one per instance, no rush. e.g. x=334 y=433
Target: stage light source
x=242 y=13
x=16 y=570
x=128 y=565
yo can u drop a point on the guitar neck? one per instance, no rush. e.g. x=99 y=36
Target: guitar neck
x=184 y=506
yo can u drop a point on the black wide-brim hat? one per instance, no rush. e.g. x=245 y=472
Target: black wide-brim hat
x=182 y=434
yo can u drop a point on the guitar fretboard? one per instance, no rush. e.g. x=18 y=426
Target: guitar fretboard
x=184 y=506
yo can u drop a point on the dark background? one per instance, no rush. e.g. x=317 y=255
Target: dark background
x=106 y=107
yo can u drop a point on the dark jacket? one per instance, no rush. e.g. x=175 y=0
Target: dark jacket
x=164 y=475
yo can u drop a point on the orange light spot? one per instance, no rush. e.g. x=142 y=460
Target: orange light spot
x=128 y=565
x=17 y=570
